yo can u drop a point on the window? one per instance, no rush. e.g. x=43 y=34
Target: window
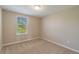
x=21 y=25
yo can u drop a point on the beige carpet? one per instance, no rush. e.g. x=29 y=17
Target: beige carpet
x=37 y=46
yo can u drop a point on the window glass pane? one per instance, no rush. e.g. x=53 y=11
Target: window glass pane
x=21 y=25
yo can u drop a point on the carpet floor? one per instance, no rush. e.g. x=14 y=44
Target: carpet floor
x=37 y=46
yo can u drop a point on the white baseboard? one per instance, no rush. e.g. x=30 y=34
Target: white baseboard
x=61 y=45
x=7 y=44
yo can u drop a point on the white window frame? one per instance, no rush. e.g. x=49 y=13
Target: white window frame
x=26 y=25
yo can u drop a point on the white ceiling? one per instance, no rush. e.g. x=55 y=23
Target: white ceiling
x=29 y=10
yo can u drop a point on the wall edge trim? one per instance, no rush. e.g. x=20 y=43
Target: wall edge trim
x=17 y=42
x=60 y=45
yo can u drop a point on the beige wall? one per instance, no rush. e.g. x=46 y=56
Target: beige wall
x=9 y=27
x=0 y=28
x=62 y=27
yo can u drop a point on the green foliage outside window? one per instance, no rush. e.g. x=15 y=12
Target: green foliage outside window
x=21 y=24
